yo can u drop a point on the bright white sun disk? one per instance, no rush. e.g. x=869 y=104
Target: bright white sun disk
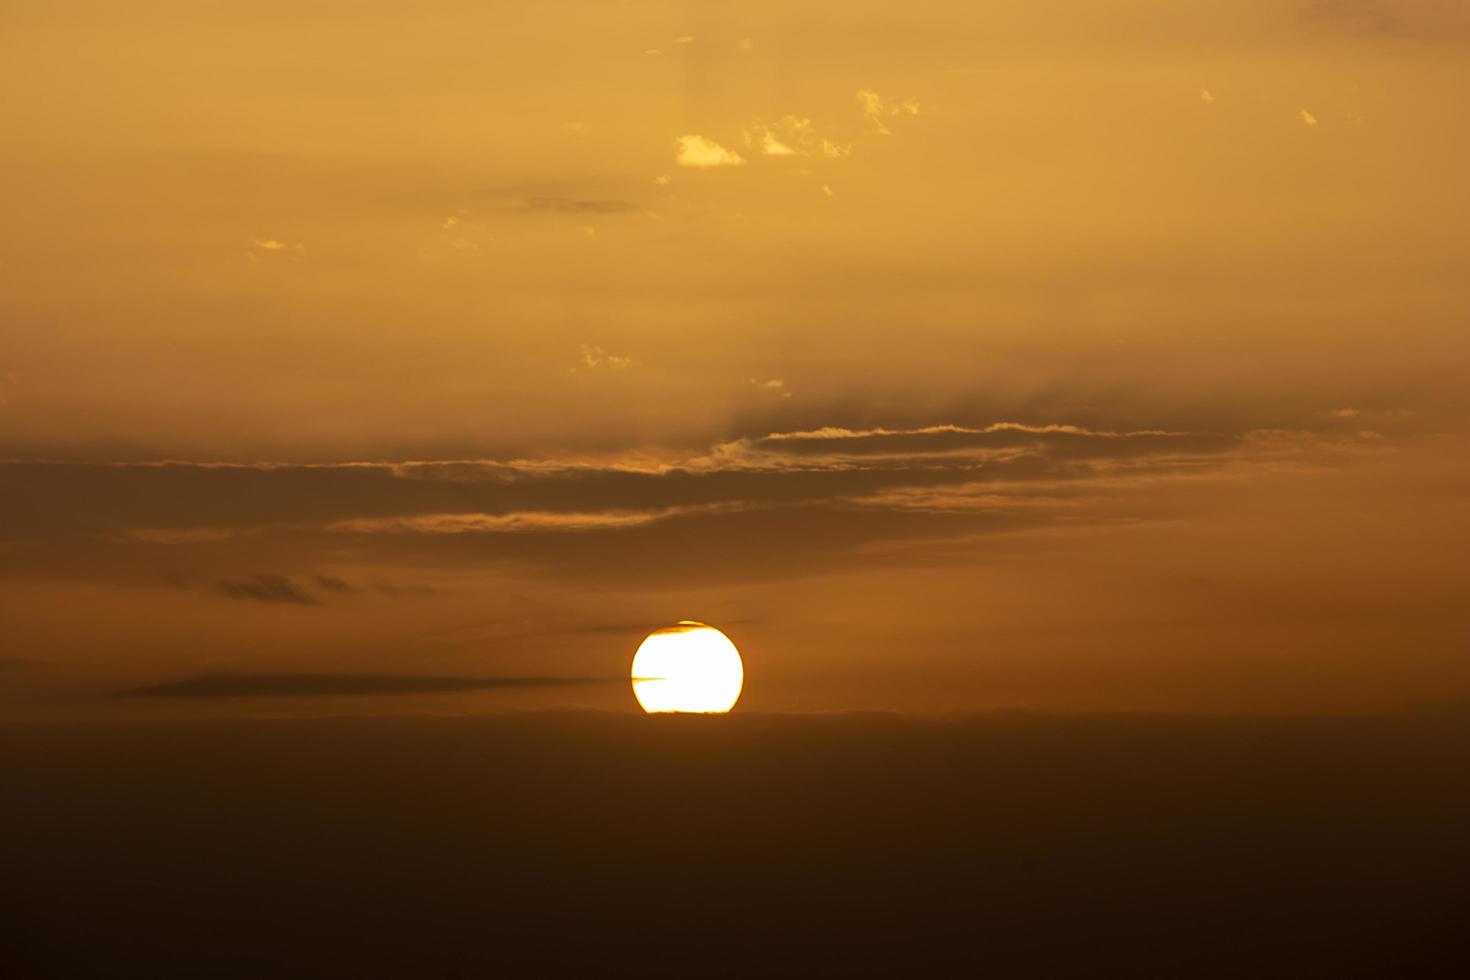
x=689 y=667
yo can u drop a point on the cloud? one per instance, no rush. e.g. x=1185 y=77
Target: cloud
x=182 y=535
x=568 y=205
x=773 y=385
x=821 y=492
x=267 y=587
x=694 y=150
x=316 y=685
x=516 y=521
x=685 y=39
x=592 y=358
x=276 y=245
x=793 y=136
x=1307 y=118
x=876 y=109
x=772 y=147
x=1424 y=20
x=1206 y=96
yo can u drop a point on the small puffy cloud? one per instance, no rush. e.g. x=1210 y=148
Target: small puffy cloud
x=685 y=39
x=455 y=221
x=274 y=246
x=774 y=385
x=591 y=358
x=1344 y=413
x=828 y=191
x=1206 y=96
x=745 y=44
x=876 y=108
x=694 y=150
x=662 y=180
x=772 y=147
x=792 y=136
x=1307 y=117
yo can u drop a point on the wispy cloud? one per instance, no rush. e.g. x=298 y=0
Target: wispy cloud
x=877 y=109
x=591 y=358
x=268 y=587
x=317 y=685
x=514 y=522
x=572 y=205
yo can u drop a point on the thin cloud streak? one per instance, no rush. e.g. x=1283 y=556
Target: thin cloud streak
x=316 y=685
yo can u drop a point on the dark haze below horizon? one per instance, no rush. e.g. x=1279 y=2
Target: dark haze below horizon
x=852 y=844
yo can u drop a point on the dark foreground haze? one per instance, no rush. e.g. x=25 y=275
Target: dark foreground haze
x=760 y=845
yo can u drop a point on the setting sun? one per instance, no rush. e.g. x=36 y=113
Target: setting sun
x=690 y=667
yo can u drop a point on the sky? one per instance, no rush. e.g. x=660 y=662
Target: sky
x=949 y=356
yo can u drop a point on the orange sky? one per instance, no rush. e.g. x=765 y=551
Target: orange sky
x=947 y=355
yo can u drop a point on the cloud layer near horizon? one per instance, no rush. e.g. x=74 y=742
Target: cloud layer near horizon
x=1003 y=469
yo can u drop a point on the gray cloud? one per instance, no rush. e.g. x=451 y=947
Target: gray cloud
x=307 y=685
x=1440 y=20
x=267 y=587
x=572 y=205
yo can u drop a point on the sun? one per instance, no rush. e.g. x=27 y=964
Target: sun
x=689 y=667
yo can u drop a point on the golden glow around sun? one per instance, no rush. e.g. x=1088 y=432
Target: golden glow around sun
x=689 y=667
